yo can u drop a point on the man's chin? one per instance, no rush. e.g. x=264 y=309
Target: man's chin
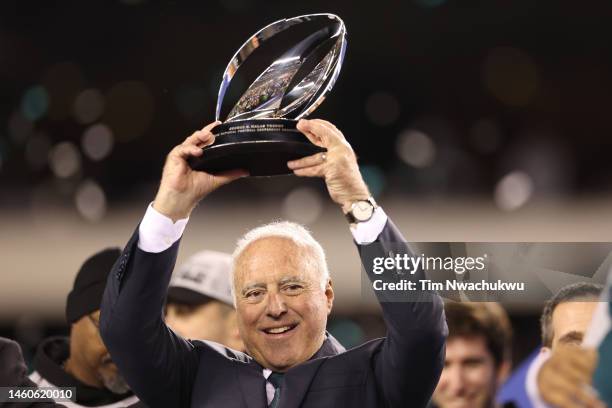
x=458 y=403
x=114 y=382
x=281 y=364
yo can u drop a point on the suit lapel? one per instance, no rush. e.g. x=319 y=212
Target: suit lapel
x=330 y=347
x=253 y=385
x=298 y=379
x=297 y=382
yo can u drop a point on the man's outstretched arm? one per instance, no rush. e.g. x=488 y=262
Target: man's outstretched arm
x=412 y=356
x=411 y=359
x=159 y=365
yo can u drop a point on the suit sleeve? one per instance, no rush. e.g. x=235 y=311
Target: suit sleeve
x=410 y=360
x=159 y=365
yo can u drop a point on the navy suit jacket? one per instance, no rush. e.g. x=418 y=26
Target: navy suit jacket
x=165 y=370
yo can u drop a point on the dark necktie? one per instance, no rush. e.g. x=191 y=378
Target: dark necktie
x=276 y=379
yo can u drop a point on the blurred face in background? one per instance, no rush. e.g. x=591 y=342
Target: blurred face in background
x=470 y=377
x=570 y=321
x=213 y=321
x=89 y=359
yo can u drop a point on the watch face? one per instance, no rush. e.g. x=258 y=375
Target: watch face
x=362 y=211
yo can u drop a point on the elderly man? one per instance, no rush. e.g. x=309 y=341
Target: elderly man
x=283 y=295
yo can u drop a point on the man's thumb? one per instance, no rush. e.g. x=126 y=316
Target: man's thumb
x=229 y=176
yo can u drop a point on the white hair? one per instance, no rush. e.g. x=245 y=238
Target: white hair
x=297 y=233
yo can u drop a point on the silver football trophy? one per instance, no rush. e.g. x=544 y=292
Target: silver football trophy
x=291 y=65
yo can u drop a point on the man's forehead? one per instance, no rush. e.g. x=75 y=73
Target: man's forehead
x=574 y=312
x=464 y=346
x=273 y=256
x=572 y=317
x=270 y=243
x=272 y=252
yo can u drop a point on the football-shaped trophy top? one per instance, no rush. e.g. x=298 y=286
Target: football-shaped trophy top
x=290 y=66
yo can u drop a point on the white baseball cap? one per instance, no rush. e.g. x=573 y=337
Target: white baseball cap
x=204 y=275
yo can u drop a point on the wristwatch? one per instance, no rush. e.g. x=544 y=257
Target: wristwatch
x=361 y=210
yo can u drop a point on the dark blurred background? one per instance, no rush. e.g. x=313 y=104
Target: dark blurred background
x=473 y=120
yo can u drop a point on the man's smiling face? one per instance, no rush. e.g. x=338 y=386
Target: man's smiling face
x=281 y=303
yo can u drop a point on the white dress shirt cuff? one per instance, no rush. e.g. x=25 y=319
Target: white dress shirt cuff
x=368 y=231
x=531 y=381
x=157 y=232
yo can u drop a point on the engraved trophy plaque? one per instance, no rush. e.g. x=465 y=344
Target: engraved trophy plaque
x=291 y=65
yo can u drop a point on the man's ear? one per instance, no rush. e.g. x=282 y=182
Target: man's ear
x=503 y=371
x=545 y=350
x=329 y=293
x=169 y=314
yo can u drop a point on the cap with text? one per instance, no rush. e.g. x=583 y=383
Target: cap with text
x=204 y=276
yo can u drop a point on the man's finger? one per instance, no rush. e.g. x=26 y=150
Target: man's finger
x=320 y=131
x=574 y=376
x=312 y=160
x=566 y=392
x=587 y=359
x=327 y=132
x=229 y=176
x=333 y=130
x=187 y=150
x=328 y=125
x=200 y=138
x=560 y=396
x=586 y=398
x=211 y=126
x=583 y=360
x=304 y=127
x=313 y=171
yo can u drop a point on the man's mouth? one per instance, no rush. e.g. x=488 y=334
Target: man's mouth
x=277 y=331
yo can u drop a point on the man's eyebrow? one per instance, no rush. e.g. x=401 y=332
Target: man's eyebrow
x=572 y=337
x=473 y=359
x=293 y=279
x=285 y=280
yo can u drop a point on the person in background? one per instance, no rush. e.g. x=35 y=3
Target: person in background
x=199 y=304
x=82 y=360
x=13 y=373
x=561 y=374
x=478 y=355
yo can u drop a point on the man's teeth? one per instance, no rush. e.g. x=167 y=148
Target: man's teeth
x=278 y=330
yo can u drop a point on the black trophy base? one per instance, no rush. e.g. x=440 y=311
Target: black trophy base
x=261 y=146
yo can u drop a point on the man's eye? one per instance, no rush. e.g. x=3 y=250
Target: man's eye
x=254 y=294
x=473 y=363
x=293 y=288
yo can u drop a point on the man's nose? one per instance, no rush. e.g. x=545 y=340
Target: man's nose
x=276 y=305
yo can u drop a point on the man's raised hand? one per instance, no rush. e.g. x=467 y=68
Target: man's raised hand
x=338 y=166
x=181 y=188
